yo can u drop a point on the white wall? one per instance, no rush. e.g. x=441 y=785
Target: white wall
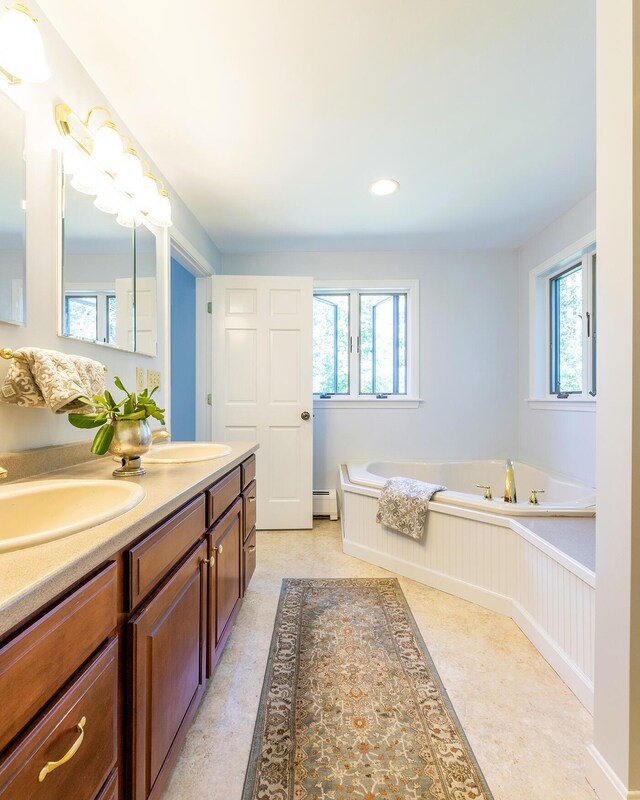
x=468 y=350
x=24 y=428
x=558 y=440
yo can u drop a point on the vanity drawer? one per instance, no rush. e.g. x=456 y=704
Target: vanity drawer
x=249 y=559
x=79 y=730
x=110 y=790
x=36 y=663
x=249 y=507
x=222 y=494
x=152 y=559
x=248 y=471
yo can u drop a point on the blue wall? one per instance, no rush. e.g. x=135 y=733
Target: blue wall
x=183 y=354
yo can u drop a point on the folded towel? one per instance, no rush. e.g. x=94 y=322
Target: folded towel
x=48 y=379
x=404 y=503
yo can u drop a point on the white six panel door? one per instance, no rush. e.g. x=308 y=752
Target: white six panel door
x=263 y=389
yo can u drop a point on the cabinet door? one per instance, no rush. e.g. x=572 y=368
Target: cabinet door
x=225 y=588
x=167 y=638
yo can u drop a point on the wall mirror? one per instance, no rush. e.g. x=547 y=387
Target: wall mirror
x=12 y=212
x=108 y=277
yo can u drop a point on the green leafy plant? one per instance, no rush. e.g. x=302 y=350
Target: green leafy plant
x=134 y=406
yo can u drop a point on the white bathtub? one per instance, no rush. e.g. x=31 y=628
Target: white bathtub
x=499 y=555
x=562 y=497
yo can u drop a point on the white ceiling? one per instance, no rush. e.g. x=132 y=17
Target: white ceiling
x=270 y=119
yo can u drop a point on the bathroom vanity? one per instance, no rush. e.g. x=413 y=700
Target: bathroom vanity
x=101 y=682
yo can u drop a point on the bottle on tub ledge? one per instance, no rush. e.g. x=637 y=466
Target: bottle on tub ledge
x=510 y=483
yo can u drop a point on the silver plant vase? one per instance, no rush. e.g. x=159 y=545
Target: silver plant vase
x=132 y=439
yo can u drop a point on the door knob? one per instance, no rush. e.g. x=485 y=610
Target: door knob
x=305 y=415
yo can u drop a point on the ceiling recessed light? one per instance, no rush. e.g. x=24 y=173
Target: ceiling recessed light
x=384 y=186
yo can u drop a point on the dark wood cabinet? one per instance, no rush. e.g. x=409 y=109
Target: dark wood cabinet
x=168 y=661
x=249 y=560
x=72 y=748
x=249 y=498
x=225 y=584
x=112 y=672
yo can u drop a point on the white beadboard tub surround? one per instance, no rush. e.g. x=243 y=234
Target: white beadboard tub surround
x=563 y=497
x=494 y=561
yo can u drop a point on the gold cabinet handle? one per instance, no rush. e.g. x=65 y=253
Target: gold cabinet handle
x=251 y=499
x=211 y=562
x=219 y=548
x=251 y=548
x=51 y=765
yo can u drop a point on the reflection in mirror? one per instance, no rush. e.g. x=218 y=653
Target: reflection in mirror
x=146 y=291
x=101 y=285
x=12 y=215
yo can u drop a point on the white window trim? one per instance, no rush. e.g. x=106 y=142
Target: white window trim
x=412 y=397
x=540 y=396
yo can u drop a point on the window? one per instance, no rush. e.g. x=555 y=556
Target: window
x=563 y=332
x=81 y=317
x=91 y=316
x=364 y=343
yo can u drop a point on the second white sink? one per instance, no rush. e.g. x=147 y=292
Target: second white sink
x=185 y=452
x=40 y=511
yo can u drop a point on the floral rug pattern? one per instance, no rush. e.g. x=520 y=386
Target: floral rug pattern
x=352 y=706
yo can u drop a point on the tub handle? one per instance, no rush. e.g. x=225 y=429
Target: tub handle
x=533 y=499
x=487 y=491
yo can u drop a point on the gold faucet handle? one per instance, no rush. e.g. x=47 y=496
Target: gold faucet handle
x=533 y=499
x=160 y=434
x=487 y=491
x=3 y=473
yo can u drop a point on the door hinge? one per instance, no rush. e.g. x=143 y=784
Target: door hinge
x=209 y=308
x=209 y=399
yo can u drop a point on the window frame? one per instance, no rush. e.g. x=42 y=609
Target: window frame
x=541 y=338
x=355 y=399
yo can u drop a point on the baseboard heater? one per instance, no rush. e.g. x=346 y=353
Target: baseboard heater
x=325 y=503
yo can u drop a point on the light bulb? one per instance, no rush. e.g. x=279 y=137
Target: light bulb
x=21 y=48
x=107 y=148
x=147 y=193
x=129 y=172
x=128 y=215
x=109 y=199
x=86 y=178
x=160 y=213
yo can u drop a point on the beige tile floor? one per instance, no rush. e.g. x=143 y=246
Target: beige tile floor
x=527 y=729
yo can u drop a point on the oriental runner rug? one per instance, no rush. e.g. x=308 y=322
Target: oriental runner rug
x=352 y=707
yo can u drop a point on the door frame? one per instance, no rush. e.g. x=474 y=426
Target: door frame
x=192 y=260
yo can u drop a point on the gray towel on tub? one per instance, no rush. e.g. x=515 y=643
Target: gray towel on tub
x=404 y=503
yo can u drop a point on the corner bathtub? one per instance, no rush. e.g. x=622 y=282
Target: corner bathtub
x=561 y=497
x=514 y=559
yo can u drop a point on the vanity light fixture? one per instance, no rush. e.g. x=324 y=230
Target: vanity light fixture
x=22 y=55
x=384 y=186
x=104 y=163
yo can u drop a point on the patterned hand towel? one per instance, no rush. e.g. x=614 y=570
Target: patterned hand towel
x=48 y=379
x=404 y=503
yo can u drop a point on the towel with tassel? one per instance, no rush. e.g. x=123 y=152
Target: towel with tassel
x=404 y=503
x=48 y=379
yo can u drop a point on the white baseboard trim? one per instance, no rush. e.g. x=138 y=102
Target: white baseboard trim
x=576 y=680
x=605 y=783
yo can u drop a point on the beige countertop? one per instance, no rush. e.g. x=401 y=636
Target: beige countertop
x=31 y=577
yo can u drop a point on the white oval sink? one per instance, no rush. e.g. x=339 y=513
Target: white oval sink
x=40 y=511
x=185 y=452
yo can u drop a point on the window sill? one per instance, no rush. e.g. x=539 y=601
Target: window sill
x=556 y=404
x=367 y=402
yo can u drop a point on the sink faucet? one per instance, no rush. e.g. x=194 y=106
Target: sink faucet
x=159 y=435
x=510 y=483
